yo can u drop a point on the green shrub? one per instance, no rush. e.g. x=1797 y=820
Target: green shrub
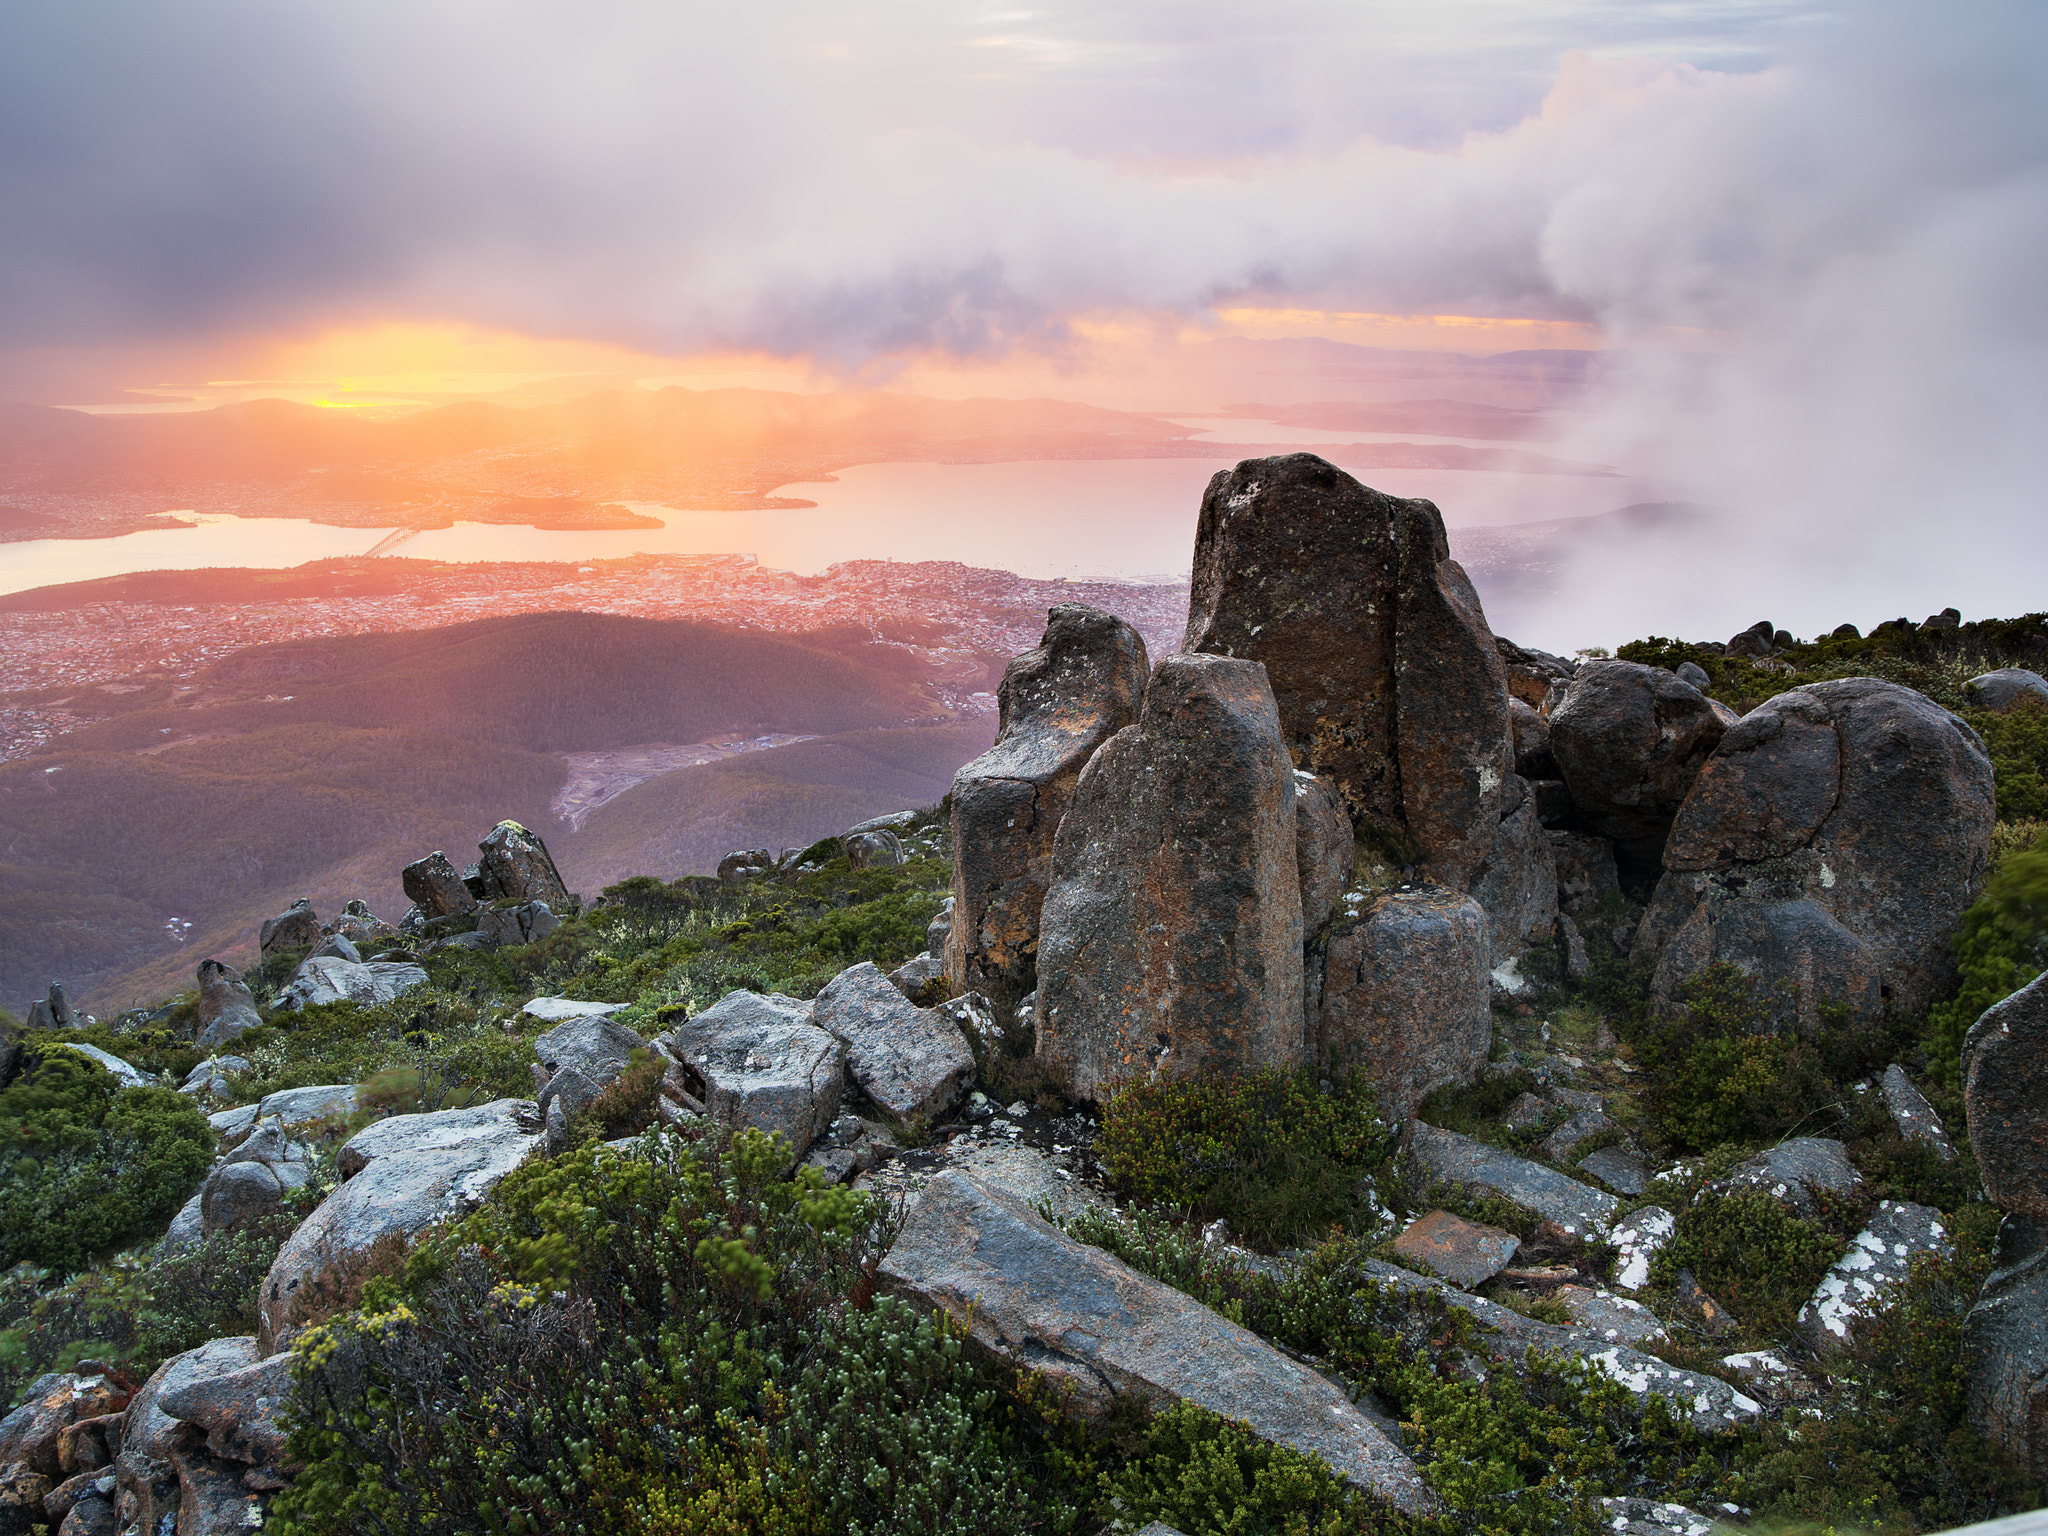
x=666 y=1340
x=85 y=1164
x=1275 y=1154
x=1891 y=1449
x=1752 y=1255
x=2018 y=743
x=1207 y=1476
x=2002 y=946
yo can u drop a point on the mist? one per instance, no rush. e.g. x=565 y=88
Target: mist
x=1812 y=235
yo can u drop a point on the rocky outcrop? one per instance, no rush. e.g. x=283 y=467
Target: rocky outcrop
x=1796 y=1173
x=226 y=1006
x=1829 y=848
x=877 y=849
x=1028 y=1294
x=400 y=1176
x=1630 y=740
x=745 y=864
x=1533 y=758
x=1880 y=1258
x=253 y=1180
x=2005 y=1346
x=1516 y=886
x=1462 y=1252
x=1386 y=678
x=296 y=927
x=2007 y=688
x=1324 y=849
x=2005 y=1100
x=514 y=865
x=330 y=979
x=1171 y=938
x=1445 y=1156
x=157 y=1476
x=1403 y=992
x=758 y=1061
x=1057 y=704
x=435 y=886
x=524 y=922
x=1913 y=1115
x=912 y=1062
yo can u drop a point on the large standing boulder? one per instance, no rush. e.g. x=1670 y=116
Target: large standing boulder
x=758 y=1061
x=226 y=1006
x=1403 y=992
x=1384 y=673
x=296 y=927
x=2005 y=1346
x=2005 y=1100
x=514 y=863
x=2007 y=687
x=1027 y=1293
x=434 y=885
x=1171 y=939
x=1517 y=883
x=1630 y=740
x=912 y=1062
x=1057 y=703
x=1829 y=848
x=400 y=1176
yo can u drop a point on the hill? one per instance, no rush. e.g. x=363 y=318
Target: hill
x=319 y=768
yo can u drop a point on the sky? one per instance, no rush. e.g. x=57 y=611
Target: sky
x=1811 y=234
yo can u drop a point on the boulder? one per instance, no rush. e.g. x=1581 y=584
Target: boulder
x=1324 y=849
x=148 y=1482
x=296 y=927
x=1637 y=1239
x=127 y=1076
x=555 y=1009
x=357 y=923
x=1026 y=1293
x=1634 y=1516
x=1171 y=940
x=1506 y=1337
x=62 y=1014
x=1447 y=1157
x=2005 y=1346
x=1586 y=871
x=521 y=923
x=292 y=1108
x=400 y=1176
x=238 y=1410
x=594 y=1045
x=975 y=1017
x=1462 y=1252
x=226 y=1006
x=1614 y=1318
x=253 y=1180
x=1517 y=884
x=1056 y=705
x=30 y=1434
x=187 y=1228
x=561 y=1099
x=513 y=864
x=745 y=864
x=435 y=886
x=2007 y=687
x=1913 y=1115
x=1403 y=992
x=1385 y=676
x=326 y=979
x=1629 y=741
x=758 y=1061
x=1557 y=1147
x=1692 y=672
x=39 y=1015
x=1621 y=1171
x=917 y=974
x=1835 y=835
x=1532 y=674
x=2005 y=1100
x=1880 y=1258
x=912 y=1062
x=938 y=933
x=879 y=849
x=1533 y=759
x=1796 y=1174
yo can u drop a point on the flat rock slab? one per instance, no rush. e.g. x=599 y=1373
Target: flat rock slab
x=329 y=979
x=1580 y=1125
x=1877 y=1260
x=555 y=1009
x=595 y=1046
x=1578 y=1208
x=996 y=1163
x=1795 y=1173
x=410 y=1172
x=1637 y=1240
x=1620 y=1171
x=1031 y=1295
x=1913 y=1115
x=1708 y=1401
x=913 y=1062
x=1462 y=1252
x=129 y=1077
x=1650 y=1517
x=760 y=1062
x=1614 y=1318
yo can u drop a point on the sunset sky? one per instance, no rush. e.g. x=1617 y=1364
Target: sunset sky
x=1842 y=209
